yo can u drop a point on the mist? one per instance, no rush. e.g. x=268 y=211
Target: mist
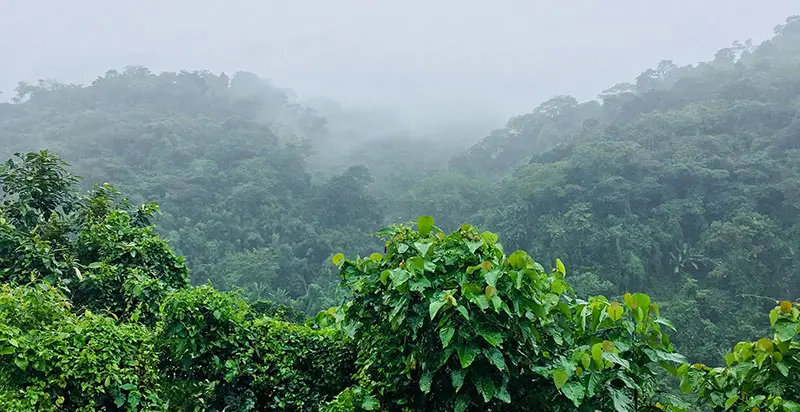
x=427 y=62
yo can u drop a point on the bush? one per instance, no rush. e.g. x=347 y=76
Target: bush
x=449 y=322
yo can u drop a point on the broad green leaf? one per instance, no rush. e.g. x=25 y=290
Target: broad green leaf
x=491 y=277
x=785 y=330
x=133 y=399
x=622 y=402
x=496 y=358
x=783 y=368
x=474 y=245
x=502 y=393
x=457 y=377
x=425 y=225
x=641 y=301
x=461 y=403
x=425 y=381
x=337 y=258
x=615 y=311
x=791 y=406
x=463 y=311
x=21 y=363
x=560 y=267
x=773 y=316
x=614 y=358
x=574 y=391
x=434 y=307
x=730 y=401
x=130 y=386
x=597 y=352
x=594 y=384
x=467 y=354
x=370 y=404
x=560 y=377
x=489 y=237
x=494 y=338
x=423 y=247
x=485 y=386
x=446 y=335
x=518 y=259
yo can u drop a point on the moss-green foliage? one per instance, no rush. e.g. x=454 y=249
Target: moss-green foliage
x=219 y=353
x=449 y=322
x=100 y=316
x=54 y=359
x=759 y=375
x=96 y=313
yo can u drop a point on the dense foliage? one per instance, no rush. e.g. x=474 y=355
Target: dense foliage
x=96 y=313
x=449 y=322
x=683 y=184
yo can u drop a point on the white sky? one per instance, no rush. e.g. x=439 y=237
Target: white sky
x=443 y=58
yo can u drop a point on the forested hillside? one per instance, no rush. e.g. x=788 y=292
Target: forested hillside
x=684 y=184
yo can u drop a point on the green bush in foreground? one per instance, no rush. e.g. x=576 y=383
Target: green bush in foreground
x=449 y=322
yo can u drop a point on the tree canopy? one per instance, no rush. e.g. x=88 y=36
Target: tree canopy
x=209 y=285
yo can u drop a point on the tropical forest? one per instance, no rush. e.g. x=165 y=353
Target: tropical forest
x=200 y=241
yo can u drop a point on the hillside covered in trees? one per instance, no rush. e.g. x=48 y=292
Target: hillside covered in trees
x=683 y=184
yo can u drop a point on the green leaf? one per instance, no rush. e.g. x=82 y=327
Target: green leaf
x=597 y=352
x=425 y=381
x=424 y=225
x=791 y=406
x=485 y=386
x=119 y=399
x=434 y=307
x=773 y=316
x=491 y=277
x=95 y=265
x=641 y=301
x=133 y=399
x=502 y=393
x=463 y=311
x=574 y=391
x=494 y=338
x=21 y=363
x=370 y=404
x=560 y=377
x=785 y=330
x=783 y=368
x=518 y=259
x=560 y=267
x=337 y=258
x=489 y=237
x=731 y=400
x=614 y=358
x=446 y=335
x=130 y=386
x=622 y=403
x=461 y=403
x=466 y=354
x=423 y=247
x=594 y=384
x=615 y=311
x=457 y=376
x=496 y=358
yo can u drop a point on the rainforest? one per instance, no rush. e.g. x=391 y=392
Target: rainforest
x=197 y=241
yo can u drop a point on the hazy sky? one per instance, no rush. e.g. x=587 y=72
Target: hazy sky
x=443 y=57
